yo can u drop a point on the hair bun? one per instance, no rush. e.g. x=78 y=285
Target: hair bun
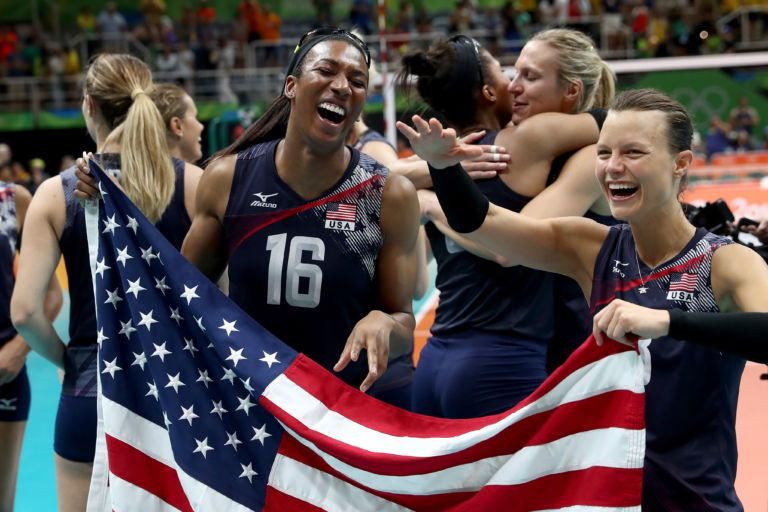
x=419 y=64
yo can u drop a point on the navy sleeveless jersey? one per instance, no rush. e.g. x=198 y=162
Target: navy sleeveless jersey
x=305 y=270
x=476 y=293
x=74 y=248
x=175 y=221
x=8 y=235
x=371 y=135
x=691 y=398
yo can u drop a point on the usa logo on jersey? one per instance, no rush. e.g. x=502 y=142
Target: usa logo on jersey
x=340 y=216
x=682 y=286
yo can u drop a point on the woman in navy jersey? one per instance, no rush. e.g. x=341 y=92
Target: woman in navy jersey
x=14 y=383
x=131 y=143
x=658 y=261
x=493 y=324
x=320 y=240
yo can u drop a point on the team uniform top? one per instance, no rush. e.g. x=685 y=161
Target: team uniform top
x=175 y=221
x=305 y=270
x=476 y=293
x=371 y=135
x=691 y=398
x=74 y=247
x=8 y=236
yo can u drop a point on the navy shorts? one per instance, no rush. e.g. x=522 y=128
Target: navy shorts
x=475 y=373
x=75 y=434
x=15 y=397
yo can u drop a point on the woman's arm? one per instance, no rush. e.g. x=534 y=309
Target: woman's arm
x=205 y=244
x=740 y=283
x=567 y=246
x=39 y=257
x=388 y=332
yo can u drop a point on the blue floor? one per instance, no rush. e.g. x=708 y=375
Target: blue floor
x=36 y=489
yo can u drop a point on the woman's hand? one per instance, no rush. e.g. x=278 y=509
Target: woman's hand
x=86 y=188
x=372 y=333
x=437 y=145
x=493 y=160
x=620 y=319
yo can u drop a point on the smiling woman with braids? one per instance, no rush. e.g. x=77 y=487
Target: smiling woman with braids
x=320 y=240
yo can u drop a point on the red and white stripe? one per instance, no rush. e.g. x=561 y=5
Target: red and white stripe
x=345 y=212
x=577 y=441
x=687 y=283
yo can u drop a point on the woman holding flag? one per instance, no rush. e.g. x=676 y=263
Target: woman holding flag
x=640 y=279
x=314 y=232
x=130 y=137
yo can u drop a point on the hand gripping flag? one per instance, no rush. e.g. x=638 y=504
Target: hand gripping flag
x=205 y=410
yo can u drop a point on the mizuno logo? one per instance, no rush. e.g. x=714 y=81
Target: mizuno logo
x=616 y=267
x=6 y=404
x=263 y=197
x=262 y=200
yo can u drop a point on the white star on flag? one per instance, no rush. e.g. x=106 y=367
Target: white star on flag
x=189 y=414
x=160 y=285
x=113 y=298
x=270 y=359
x=147 y=320
x=147 y=255
x=202 y=447
x=204 y=378
x=111 y=368
x=245 y=404
x=132 y=224
x=101 y=267
x=153 y=390
x=123 y=256
x=140 y=359
x=232 y=440
x=135 y=287
x=190 y=347
x=248 y=472
x=174 y=381
x=189 y=294
x=229 y=375
x=218 y=408
x=260 y=434
x=160 y=351
x=126 y=328
x=235 y=356
x=100 y=336
x=229 y=326
x=175 y=315
x=199 y=322
x=110 y=225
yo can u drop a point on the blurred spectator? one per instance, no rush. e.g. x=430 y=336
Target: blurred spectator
x=250 y=12
x=187 y=24
x=323 y=12
x=86 y=22
x=224 y=60
x=270 y=32
x=186 y=68
x=16 y=63
x=744 y=142
x=167 y=64
x=743 y=117
x=205 y=17
x=403 y=18
x=403 y=148
x=56 y=61
x=579 y=8
x=20 y=174
x=423 y=20
x=5 y=153
x=37 y=174
x=153 y=11
x=461 y=18
x=717 y=138
x=8 y=40
x=66 y=162
x=612 y=24
x=6 y=173
x=111 y=25
x=72 y=62
x=360 y=15
x=553 y=11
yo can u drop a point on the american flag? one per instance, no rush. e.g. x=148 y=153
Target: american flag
x=686 y=283
x=341 y=211
x=205 y=410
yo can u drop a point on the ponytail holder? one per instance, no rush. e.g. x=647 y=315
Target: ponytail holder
x=136 y=92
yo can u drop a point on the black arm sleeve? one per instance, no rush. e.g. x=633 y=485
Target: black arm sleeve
x=742 y=334
x=464 y=205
